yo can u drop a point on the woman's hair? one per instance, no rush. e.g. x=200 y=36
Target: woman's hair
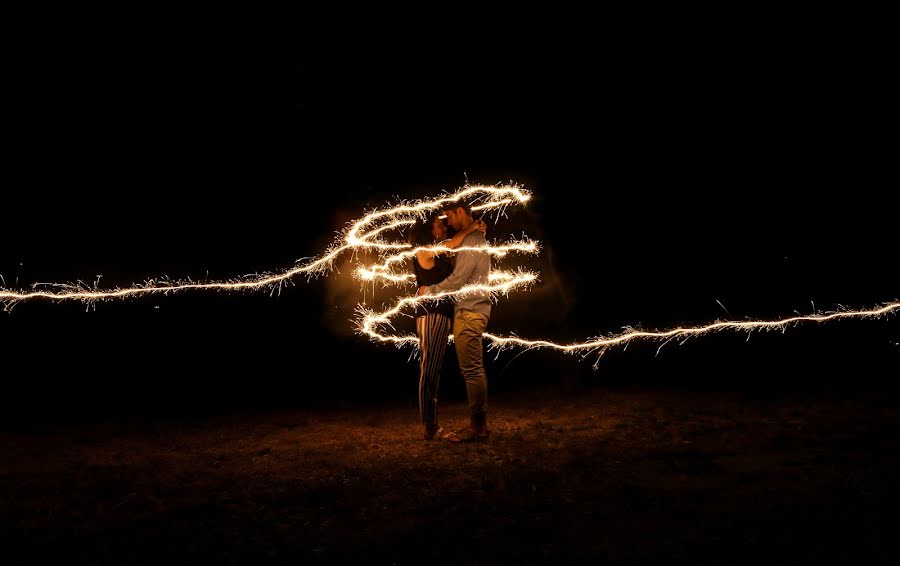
x=420 y=233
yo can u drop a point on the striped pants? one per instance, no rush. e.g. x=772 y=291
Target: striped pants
x=433 y=330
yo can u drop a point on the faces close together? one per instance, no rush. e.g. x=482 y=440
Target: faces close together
x=438 y=230
x=456 y=218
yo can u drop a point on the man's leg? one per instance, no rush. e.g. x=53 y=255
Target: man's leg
x=467 y=330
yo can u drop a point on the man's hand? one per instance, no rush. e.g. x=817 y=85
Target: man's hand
x=422 y=291
x=481 y=226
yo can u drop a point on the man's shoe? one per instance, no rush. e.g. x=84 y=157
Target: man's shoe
x=467 y=434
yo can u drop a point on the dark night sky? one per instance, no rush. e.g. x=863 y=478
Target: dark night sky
x=763 y=182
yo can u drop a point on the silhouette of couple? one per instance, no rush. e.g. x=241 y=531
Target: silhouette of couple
x=467 y=317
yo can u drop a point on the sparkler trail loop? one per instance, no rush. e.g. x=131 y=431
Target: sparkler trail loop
x=361 y=235
x=503 y=282
x=368 y=234
x=371 y=320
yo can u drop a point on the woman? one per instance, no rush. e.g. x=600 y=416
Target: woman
x=433 y=320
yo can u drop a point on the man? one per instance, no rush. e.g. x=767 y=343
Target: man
x=471 y=315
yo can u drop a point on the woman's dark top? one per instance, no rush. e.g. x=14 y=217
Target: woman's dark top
x=424 y=277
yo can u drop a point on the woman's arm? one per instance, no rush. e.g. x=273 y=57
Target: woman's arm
x=457 y=239
x=426 y=257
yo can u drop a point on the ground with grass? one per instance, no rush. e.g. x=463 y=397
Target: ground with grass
x=622 y=474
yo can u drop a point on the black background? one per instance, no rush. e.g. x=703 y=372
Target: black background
x=664 y=182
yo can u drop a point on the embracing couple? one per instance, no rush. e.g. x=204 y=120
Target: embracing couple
x=440 y=273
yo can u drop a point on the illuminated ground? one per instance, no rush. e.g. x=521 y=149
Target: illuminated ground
x=626 y=475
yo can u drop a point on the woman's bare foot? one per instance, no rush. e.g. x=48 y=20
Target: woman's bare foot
x=433 y=432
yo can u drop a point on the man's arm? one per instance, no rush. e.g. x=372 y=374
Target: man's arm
x=462 y=271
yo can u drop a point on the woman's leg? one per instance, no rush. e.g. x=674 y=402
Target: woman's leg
x=433 y=330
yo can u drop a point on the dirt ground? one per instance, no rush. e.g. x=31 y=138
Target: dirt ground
x=618 y=475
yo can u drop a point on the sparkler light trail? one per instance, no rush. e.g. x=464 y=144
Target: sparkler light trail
x=370 y=321
x=503 y=282
x=367 y=234
x=360 y=235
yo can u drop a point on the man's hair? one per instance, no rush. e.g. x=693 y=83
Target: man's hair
x=458 y=204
